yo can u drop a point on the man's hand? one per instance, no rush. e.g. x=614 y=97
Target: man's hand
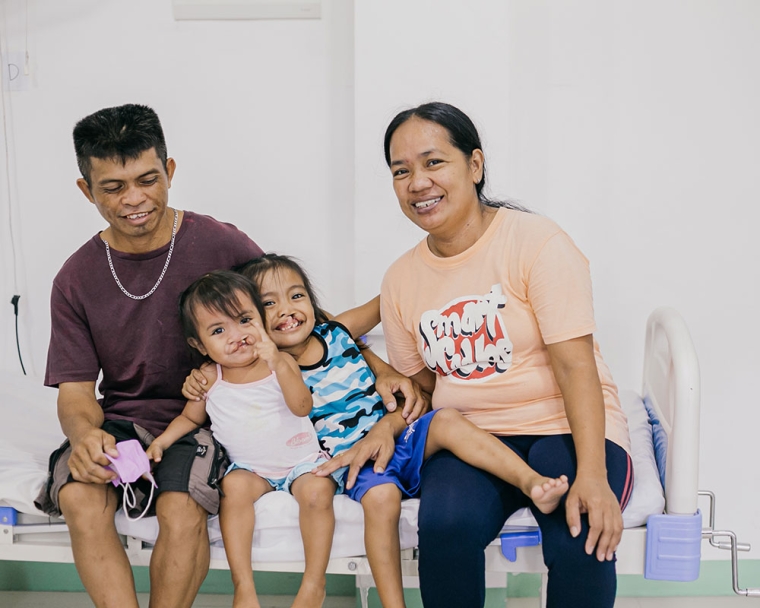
x=88 y=461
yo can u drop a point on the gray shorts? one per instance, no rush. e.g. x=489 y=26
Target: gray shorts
x=193 y=464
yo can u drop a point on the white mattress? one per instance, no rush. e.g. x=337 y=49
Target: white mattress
x=30 y=432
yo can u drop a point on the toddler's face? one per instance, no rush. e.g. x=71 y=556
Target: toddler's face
x=290 y=312
x=226 y=340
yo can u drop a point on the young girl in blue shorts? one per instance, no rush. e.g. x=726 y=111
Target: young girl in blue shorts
x=258 y=406
x=346 y=406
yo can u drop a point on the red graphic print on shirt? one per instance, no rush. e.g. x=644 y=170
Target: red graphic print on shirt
x=466 y=339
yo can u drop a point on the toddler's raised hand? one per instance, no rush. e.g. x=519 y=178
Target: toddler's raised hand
x=264 y=348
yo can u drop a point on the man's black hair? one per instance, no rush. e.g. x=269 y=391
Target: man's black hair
x=121 y=133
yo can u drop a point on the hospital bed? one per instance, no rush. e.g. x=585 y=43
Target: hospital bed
x=663 y=533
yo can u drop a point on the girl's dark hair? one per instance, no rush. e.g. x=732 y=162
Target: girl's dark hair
x=462 y=135
x=257 y=267
x=219 y=290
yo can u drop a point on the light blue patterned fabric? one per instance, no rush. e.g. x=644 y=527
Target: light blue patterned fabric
x=659 y=438
x=346 y=405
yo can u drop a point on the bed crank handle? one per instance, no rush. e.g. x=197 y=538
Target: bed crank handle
x=709 y=531
x=732 y=545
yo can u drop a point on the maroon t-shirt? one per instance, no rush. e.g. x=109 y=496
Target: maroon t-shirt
x=138 y=344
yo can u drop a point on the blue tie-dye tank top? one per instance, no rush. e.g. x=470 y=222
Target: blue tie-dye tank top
x=346 y=405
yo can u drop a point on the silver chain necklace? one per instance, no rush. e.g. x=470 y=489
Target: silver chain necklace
x=163 y=272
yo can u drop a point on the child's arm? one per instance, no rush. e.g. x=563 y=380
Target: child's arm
x=358 y=321
x=198 y=382
x=192 y=416
x=297 y=394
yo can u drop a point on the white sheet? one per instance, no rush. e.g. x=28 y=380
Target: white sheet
x=30 y=431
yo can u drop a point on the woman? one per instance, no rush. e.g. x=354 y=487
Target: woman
x=498 y=324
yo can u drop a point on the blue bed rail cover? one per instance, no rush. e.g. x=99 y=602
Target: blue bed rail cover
x=673 y=549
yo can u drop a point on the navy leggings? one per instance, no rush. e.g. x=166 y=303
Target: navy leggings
x=462 y=510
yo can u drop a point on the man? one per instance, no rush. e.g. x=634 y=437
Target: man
x=114 y=310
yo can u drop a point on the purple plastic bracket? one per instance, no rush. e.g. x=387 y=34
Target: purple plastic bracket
x=518 y=536
x=674 y=547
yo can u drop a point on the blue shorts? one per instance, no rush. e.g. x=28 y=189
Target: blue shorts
x=405 y=465
x=284 y=483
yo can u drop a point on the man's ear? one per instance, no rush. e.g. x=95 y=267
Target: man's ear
x=85 y=188
x=171 y=166
x=197 y=346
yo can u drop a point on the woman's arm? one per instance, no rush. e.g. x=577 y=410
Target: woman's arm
x=575 y=370
x=389 y=383
x=358 y=321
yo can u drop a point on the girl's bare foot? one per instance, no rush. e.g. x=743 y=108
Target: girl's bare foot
x=245 y=598
x=547 y=492
x=310 y=595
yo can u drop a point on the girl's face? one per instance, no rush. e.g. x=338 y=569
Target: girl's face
x=228 y=341
x=290 y=312
x=434 y=181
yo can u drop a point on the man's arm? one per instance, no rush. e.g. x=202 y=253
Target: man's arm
x=81 y=417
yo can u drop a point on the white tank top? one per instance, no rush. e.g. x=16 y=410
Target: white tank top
x=253 y=422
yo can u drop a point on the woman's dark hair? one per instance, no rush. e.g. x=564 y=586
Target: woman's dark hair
x=462 y=135
x=257 y=267
x=219 y=290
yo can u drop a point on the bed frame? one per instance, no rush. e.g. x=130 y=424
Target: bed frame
x=658 y=550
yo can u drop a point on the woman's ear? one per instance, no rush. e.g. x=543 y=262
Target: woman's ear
x=477 y=160
x=197 y=346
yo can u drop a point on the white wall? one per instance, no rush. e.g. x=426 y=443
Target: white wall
x=631 y=123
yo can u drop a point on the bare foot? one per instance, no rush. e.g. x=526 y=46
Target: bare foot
x=245 y=598
x=547 y=492
x=310 y=595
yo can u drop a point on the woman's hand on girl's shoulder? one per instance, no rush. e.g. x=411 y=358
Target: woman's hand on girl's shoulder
x=198 y=382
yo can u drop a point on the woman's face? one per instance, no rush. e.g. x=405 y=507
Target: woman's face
x=434 y=181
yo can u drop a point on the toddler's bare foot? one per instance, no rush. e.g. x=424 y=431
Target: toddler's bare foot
x=310 y=595
x=245 y=598
x=547 y=492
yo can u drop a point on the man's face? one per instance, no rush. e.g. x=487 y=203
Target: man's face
x=132 y=197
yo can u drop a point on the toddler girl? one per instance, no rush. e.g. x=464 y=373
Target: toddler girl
x=259 y=406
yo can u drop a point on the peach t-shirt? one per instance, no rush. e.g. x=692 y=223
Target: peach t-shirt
x=481 y=320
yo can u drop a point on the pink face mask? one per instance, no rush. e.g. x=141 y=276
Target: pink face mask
x=131 y=464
